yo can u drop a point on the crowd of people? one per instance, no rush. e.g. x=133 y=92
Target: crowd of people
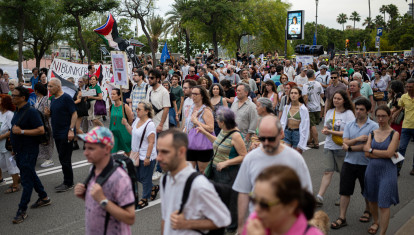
x=242 y=123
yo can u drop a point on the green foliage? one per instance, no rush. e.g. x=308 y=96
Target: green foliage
x=342 y=19
x=355 y=17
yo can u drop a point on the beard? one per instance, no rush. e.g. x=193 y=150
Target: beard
x=271 y=149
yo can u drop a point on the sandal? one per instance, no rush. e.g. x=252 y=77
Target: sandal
x=372 y=230
x=12 y=189
x=364 y=218
x=336 y=225
x=154 y=192
x=142 y=203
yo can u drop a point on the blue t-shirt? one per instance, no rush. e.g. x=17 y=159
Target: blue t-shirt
x=275 y=79
x=61 y=110
x=34 y=80
x=353 y=131
x=29 y=121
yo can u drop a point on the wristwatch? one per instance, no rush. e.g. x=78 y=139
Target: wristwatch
x=72 y=129
x=370 y=150
x=22 y=132
x=349 y=149
x=103 y=203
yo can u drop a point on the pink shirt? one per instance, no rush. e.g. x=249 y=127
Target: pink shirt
x=299 y=227
x=117 y=189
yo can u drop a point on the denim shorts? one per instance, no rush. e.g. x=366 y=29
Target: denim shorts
x=292 y=137
x=333 y=159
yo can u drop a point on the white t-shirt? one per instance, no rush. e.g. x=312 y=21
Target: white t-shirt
x=386 y=78
x=323 y=79
x=185 y=69
x=186 y=108
x=299 y=80
x=267 y=77
x=137 y=135
x=313 y=90
x=341 y=119
x=5 y=126
x=160 y=98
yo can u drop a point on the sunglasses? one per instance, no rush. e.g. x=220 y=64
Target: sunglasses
x=262 y=204
x=151 y=78
x=270 y=139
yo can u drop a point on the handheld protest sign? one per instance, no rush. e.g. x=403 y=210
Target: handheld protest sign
x=121 y=71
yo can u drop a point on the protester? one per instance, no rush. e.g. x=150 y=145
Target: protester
x=188 y=102
x=34 y=79
x=200 y=149
x=115 y=198
x=270 y=153
x=203 y=210
x=192 y=74
x=117 y=113
x=301 y=79
x=366 y=89
x=92 y=100
x=63 y=119
x=43 y=103
x=7 y=162
x=159 y=97
x=178 y=92
x=81 y=109
x=295 y=121
x=233 y=77
x=144 y=153
x=13 y=83
x=379 y=87
x=381 y=186
x=395 y=91
x=281 y=205
x=229 y=91
x=173 y=110
x=26 y=127
x=335 y=85
x=229 y=151
x=271 y=93
x=285 y=97
x=217 y=99
x=312 y=95
x=355 y=163
x=139 y=90
x=340 y=112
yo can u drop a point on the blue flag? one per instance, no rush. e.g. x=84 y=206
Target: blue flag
x=314 y=39
x=165 y=54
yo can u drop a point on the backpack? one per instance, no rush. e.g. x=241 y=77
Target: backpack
x=118 y=160
x=224 y=192
x=45 y=138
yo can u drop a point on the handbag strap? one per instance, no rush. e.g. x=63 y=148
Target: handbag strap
x=333 y=120
x=225 y=137
x=143 y=135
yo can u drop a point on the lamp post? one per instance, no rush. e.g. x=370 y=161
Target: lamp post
x=316 y=25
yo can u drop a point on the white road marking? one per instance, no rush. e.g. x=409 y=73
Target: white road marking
x=321 y=143
x=150 y=204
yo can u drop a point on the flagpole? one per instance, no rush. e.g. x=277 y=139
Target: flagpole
x=122 y=101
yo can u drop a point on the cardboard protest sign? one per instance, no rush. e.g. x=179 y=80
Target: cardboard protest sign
x=120 y=67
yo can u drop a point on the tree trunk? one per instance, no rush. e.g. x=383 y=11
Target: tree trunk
x=215 y=43
x=21 y=30
x=83 y=43
x=187 y=45
x=154 y=60
x=369 y=8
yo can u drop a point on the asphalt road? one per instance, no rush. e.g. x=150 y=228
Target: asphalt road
x=66 y=213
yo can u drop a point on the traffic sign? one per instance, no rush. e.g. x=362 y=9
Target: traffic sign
x=358 y=44
x=379 y=31
x=377 y=41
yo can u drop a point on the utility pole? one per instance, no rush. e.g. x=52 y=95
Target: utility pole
x=316 y=25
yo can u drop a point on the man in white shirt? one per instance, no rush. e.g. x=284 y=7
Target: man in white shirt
x=323 y=78
x=159 y=97
x=203 y=210
x=301 y=79
x=188 y=102
x=270 y=74
x=185 y=68
x=289 y=70
x=270 y=153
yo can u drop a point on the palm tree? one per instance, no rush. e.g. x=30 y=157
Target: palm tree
x=383 y=10
x=392 y=11
x=176 y=25
x=369 y=8
x=355 y=17
x=156 y=29
x=368 y=22
x=342 y=19
x=379 y=21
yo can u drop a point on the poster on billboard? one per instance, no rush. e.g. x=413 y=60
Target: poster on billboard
x=295 y=25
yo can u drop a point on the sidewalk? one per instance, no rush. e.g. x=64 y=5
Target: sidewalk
x=402 y=223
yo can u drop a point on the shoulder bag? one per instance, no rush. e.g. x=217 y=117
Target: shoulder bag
x=378 y=95
x=336 y=138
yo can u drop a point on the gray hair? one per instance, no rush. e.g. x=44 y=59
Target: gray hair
x=266 y=103
x=227 y=116
x=246 y=87
x=57 y=81
x=16 y=83
x=148 y=107
x=310 y=73
x=357 y=75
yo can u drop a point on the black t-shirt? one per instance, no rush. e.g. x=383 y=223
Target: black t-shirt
x=61 y=110
x=172 y=98
x=230 y=93
x=30 y=120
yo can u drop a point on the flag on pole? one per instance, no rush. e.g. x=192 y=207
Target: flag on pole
x=99 y=75
x=109 y=32
x=67 y=87
x=165 y=54
x=314 y=38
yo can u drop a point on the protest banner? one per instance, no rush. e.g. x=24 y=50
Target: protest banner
x=305 y=59
x=91 y=92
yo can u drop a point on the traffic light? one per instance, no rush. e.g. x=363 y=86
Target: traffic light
x=347 y=43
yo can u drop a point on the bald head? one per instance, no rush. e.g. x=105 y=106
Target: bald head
x=56 y=82
x=270 y=123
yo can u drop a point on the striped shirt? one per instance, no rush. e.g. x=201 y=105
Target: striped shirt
x=225 y=150
x=138 y=94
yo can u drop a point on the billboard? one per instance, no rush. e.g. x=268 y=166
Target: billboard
x=295 y=25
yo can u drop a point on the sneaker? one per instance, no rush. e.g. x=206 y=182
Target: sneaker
x=75 y=145
x=319 y=201
x=47 y=163
x=41 y=203
x=63 y=188
x=338 y=202
x=2 y=182
x=156 y=175
x=20 y=217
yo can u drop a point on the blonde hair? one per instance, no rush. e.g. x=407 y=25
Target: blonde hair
x=148 y=107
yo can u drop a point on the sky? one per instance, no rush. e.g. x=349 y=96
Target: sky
x=328 y=10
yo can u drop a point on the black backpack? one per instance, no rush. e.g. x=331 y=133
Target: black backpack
x=224 y=192
x=118 y=160
x=45 y=138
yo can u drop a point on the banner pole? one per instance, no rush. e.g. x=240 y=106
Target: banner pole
x=122 y=102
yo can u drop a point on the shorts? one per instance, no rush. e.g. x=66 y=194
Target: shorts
x=333 y=159
x=292 y=137
x=315 y=118
x=199 y=155
x=7 y=164
x=349 y=174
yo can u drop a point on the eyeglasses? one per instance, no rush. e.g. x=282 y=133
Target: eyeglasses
x=195 y=93
x=15 y=95
x=334 y=77
x=150 y=78
x=262 y=204
x=270 y=139
x=192 y=71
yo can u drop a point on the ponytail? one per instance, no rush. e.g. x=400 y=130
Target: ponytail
x=307 y=204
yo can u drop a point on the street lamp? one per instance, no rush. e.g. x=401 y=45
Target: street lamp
x=316 y=25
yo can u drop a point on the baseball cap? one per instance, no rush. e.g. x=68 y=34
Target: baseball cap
x=324 y=67
x=98 y=135
x=303 y=69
